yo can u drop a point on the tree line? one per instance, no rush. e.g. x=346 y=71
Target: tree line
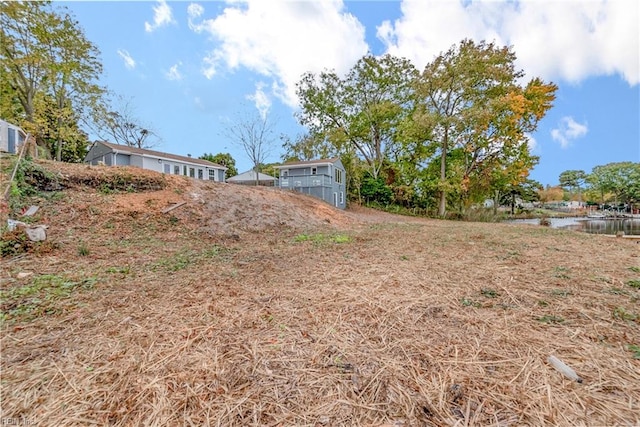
x=614 y=183
x=442 y=139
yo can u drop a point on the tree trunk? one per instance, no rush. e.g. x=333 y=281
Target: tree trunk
x=59 y=142
x=442 y=208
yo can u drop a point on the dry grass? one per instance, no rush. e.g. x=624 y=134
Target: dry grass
x=370 y=319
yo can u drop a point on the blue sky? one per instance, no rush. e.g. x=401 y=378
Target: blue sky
x=189 y=68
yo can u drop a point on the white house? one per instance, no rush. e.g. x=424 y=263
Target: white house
x=102 y=152
x=11 y=137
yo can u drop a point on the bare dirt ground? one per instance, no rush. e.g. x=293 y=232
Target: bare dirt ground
x=253 y=306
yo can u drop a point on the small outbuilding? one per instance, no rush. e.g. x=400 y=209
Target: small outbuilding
x=11 y=137
x=249 y=178
x=324 y=178
x=102 y=152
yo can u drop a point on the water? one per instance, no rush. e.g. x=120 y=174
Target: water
x=630 y=226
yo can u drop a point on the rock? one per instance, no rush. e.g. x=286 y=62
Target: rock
x=23 y=274
x=37 y=233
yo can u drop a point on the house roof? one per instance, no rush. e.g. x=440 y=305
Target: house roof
x=13 y=125
x=250 y=175
x=309 y=163
x=153 y=153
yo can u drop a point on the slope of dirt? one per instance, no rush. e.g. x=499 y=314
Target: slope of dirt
x=260 y=307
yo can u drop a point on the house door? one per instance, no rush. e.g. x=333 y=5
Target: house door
x=335 y=199
x=12 y=140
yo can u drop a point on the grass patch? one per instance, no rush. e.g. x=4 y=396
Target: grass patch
x=185 y=258
x=83 y=250
x=634 y=284
x=468 y=302
x=561 y=273
x=621 y=313
x=119 y=270
x=617 y=291
x=322 y=238
x=635 y=269
x=561 y=292
x=489 y=293
x=635 y=350
x=41 y=297
x=550 y=319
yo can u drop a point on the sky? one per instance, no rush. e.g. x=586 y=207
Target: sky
x=192 y=69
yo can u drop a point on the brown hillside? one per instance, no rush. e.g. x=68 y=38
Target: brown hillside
x=257 y=307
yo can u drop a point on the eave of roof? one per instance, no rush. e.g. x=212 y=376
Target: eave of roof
x=318 y=162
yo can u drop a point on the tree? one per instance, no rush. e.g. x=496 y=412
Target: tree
x=118 y=123
x=572 y=180
x=550 y=194
x=360 y=113
x=254 y=134
x=622 y=179
x=527 y=191
x=306 y=147
x=224 y=159
x=468 y=98
x=60 y=132
x=51 y=69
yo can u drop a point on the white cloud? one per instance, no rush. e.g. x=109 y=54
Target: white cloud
x=173 y=73
x=161 y=16
x=129 y=62
x=281 y=39
x=261 y=100
x=194 y=10
x=569 y=40
x=568 y=130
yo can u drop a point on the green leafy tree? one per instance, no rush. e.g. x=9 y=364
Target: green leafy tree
x=621 y=179
x=51 y=70
x=469 y=98
x=361 y=112
x=224 y=159
x=307 y=147
x=527 y=191
x=573 y=180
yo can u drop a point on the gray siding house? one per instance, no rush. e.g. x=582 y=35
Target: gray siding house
x=324 y=179
x=11 y=137
x=249 y=178
x=102 y=152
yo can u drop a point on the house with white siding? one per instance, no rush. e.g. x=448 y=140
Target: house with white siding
x=102 y=152
x=11 y=137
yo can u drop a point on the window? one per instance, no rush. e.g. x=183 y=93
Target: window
x=167 y=168
x=212 y=174
x=184 y=169
x=338 y=176
x=341 y=197
x=200 y=174
x=285 y=174
x=192 y=172
x=314 y=171
x=176 y=170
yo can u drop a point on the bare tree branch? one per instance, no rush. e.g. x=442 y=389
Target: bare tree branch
x=254 y=134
